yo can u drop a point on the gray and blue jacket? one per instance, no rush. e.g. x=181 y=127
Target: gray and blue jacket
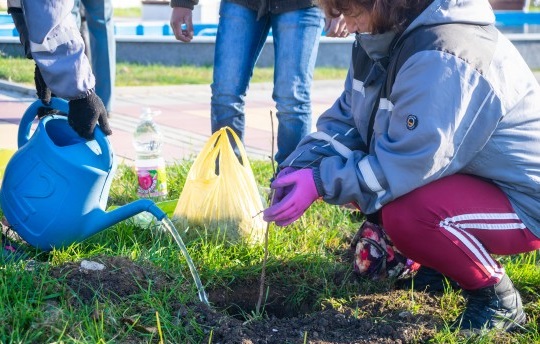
x=450 y=95
x=51 y=37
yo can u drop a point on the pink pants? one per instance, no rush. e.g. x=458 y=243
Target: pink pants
x=454 y=225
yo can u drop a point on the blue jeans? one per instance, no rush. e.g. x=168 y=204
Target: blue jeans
x=99 y=18
x=240 y=39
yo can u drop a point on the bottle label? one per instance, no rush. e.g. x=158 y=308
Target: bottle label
x=152 y=181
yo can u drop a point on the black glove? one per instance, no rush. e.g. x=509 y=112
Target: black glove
x=44 y=94
x=84 y=113
x=43 y=91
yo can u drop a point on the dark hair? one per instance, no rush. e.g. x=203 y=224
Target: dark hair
x=386 y=15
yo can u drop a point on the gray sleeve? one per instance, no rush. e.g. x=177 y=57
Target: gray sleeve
x=337 y=125
x=339 y=122
x=58 y=48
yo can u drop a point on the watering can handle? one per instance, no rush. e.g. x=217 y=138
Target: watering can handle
x=60 y=105
x=30 y=114
x=103 y=141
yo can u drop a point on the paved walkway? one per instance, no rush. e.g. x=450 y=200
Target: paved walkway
x=184 y=118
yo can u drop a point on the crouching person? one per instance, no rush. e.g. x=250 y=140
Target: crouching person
x=437 y=130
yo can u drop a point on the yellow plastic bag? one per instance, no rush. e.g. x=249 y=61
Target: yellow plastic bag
x=5 y=156
x=227 y=203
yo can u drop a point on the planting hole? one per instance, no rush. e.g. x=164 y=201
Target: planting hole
x=240 y=299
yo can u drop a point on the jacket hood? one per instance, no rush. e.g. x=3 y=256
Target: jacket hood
x=477 y=12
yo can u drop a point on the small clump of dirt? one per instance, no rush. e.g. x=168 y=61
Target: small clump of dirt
x=119 y=278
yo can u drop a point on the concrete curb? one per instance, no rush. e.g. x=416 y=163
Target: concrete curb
x=24 y=90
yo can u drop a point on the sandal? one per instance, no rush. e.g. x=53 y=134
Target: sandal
x=10 y=251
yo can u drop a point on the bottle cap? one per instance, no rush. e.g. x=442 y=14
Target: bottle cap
x=148 y=113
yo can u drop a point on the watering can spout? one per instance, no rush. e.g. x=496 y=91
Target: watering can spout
x=101 y=220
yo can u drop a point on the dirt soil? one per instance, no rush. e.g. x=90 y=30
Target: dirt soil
x=369 y=318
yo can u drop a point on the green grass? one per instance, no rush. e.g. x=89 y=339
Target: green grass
x=305 y=255
x=21 y=70
x=120 y=12
x=127 y=12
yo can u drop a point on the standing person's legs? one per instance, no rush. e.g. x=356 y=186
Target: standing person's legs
x=80 y=17
x=239 y=41
x=296 y=43
x=99 y=18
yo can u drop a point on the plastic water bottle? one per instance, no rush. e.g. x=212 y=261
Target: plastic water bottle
x=149 y=162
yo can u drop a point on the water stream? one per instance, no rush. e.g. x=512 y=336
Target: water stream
x=167 y=224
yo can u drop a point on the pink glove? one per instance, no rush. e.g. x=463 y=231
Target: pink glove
x=297 y=191
x=279 y=193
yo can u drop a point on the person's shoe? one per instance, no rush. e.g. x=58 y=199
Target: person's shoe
x=427 y=280
x=494 y=307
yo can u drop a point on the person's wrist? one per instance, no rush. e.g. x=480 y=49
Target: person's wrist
x=83 y=95
x=318 y=181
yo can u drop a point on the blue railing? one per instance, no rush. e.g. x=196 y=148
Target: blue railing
x=514 y=21
x=516 y=18
x=160 y=29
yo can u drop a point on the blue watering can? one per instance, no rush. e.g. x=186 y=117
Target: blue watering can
x=56 y=185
